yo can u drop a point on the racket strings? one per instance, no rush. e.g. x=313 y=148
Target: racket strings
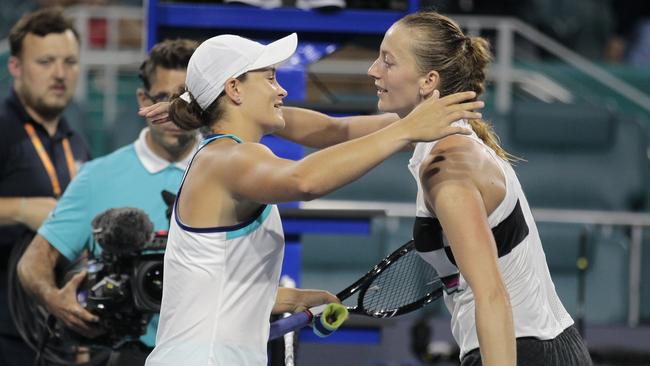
x=405 y=281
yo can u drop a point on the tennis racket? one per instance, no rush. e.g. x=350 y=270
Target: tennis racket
x=400 y=283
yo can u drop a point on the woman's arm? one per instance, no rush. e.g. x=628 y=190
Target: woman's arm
x=293 y=300
x=451 y=192
x=304 y=126
x=326 y=170
x=318 y=130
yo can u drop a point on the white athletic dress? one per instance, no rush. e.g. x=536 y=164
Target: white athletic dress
x=536 y=308
x=219 y=287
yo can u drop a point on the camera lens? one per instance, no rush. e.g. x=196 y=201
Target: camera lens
x=152 y=281
x=148 y=285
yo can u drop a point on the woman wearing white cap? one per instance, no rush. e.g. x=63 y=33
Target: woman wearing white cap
x=225 y=246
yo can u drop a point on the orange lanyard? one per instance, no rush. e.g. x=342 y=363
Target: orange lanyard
x=47 y=163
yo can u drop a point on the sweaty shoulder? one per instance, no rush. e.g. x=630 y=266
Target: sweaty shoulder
x=228 y=155
x=459 y=160
x=459 y=157
x=455 y=156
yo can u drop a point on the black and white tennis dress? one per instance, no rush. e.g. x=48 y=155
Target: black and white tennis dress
x=536 y=309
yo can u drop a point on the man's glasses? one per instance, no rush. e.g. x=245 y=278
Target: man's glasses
x=160 y=97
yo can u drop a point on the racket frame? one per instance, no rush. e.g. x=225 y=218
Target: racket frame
x=362 y=285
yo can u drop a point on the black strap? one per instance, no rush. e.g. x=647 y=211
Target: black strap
x=427 y=233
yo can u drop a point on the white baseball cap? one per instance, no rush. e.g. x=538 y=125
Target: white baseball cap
x=228 y=56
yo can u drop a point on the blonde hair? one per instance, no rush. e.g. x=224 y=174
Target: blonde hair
x=439 y=44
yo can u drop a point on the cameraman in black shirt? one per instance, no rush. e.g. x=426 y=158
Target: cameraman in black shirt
x=39 y=152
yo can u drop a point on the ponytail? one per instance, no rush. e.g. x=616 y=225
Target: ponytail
x=478 y=59
x=190 y=116
x=461 y=62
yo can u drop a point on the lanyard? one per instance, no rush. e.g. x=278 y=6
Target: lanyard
x=47 y=163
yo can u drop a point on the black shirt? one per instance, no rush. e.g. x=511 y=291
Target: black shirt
x=22 y=174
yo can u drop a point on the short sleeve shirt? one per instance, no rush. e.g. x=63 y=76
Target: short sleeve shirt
x=132 y=176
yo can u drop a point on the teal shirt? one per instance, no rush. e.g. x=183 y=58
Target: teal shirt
x=115 y=180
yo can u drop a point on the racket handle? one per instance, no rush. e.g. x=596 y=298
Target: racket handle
x=294 y=322
x=289 y=324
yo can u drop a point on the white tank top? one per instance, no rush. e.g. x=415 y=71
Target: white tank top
x=536 y=308
x=219 y=286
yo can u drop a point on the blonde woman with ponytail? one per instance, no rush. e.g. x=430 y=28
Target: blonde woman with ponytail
x=473 y=223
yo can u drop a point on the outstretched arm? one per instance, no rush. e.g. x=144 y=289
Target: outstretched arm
x=453 y=195
x=326 y=170
x=318 y=130
x=304 y=126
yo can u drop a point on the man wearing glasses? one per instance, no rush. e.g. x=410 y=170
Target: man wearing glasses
x=132 y=176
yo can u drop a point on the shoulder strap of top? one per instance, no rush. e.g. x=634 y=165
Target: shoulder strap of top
x=208 y=139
